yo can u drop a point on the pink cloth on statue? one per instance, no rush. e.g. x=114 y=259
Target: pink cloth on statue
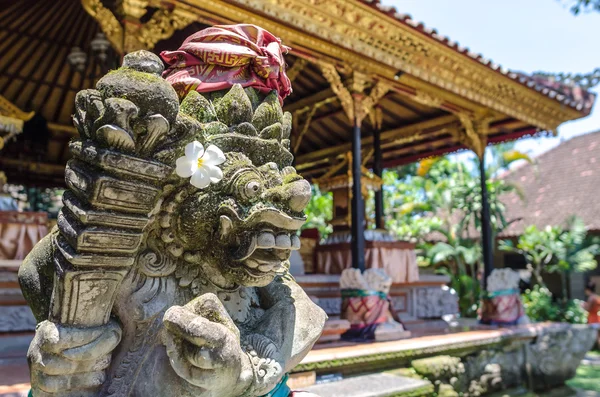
x=365 y=310
x=218 y=57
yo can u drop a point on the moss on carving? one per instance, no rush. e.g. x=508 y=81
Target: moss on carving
x=151 y=93
x=438 y=367
x=268 y=112
x=235 y=107
x=198 y=107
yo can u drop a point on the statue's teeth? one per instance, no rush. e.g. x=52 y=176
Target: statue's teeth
x=283 y=241
x=251 y=264
x=226 y=226
x=265 y=268
x=266 y=240
x=295 y=242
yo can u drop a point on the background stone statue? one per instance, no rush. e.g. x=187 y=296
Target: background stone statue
x=168 y=272
x=502 y=304
x=367 y=306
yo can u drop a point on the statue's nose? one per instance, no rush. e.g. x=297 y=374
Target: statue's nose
x=294 y=195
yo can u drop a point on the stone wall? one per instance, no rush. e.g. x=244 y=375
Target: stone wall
x=536 y=356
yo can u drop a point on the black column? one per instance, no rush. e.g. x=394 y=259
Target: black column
x=357 y=214
x=378 y=170
x=486 y=227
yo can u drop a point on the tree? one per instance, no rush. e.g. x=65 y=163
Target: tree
x=319 y=212
x=448 y=194
x=578 y=6
x=585 y=80
x=557 y=250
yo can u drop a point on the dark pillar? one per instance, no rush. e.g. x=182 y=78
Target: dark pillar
x=486 y=227
x=378 y=170
x=357 y=214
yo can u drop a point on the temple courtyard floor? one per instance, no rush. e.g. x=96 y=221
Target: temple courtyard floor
x=344 y=369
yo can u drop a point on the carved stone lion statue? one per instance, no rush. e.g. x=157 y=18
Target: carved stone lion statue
x=168 y=272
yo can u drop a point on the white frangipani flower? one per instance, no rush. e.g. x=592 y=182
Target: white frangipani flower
x=201 y=165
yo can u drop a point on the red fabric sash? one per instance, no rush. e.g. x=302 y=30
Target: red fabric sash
x=218 y=57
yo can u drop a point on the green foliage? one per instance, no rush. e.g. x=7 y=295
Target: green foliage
x=440 y=199
x=540 y=306
x=37 y=199
x=319 y=212
x=578 y=6
x=556 y=250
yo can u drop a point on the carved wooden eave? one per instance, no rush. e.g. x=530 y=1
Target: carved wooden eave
x=333 y=179
x=110 y=25
x=12 y=120
x=355 y=33
x=131 y=34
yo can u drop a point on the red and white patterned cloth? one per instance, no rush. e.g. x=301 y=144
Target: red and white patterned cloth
x=218 y=57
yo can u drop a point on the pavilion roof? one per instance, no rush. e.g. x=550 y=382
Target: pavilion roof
x=572 y=96
x=433 y=81
x=35 y=76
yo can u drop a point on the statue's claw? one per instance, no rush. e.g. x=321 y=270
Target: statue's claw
x=68 y=361
x=204 y=348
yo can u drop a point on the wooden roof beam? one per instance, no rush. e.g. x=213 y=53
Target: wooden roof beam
x=309 y=100
x=439 y=122
x=32 y=167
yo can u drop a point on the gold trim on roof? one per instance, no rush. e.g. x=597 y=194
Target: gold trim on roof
x=162 y=25
x=12 y=120
x=109 y=24
x=8 y=109
x=355 y=33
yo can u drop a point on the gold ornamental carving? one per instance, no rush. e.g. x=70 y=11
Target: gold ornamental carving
x=8 y=109
x=356 y=33
x=109 y=24
x=356 y=104
x=132 y=8
x=162 y=25
x=427 y=99
x=369 y=103
x=339 y=89
x=12 y=120
x=474 y=131
x=133 y=35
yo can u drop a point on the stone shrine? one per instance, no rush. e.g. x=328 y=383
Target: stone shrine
x=168 y=272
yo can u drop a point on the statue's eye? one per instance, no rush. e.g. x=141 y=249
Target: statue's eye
x=252 y=189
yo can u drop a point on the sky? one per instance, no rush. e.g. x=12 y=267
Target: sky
x=521 y=35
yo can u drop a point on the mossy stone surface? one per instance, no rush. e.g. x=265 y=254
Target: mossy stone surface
x=245 y=128
x=214 y=128
x=198 y=107
x=144 y=61
x=36 y=275
x=287 y=125
x=268 y=112
x=151 y=93
x=235 y=107
x=274 y=131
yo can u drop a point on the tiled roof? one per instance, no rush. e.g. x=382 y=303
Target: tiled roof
x=562 y=182
x=561 y=93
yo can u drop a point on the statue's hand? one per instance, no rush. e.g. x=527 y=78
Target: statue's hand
x=203 y=344
x=70 y=362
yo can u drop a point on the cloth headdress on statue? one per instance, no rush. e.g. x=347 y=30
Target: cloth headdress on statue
x=218 y=57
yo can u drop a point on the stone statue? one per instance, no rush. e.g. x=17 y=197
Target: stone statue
x=502 y=304
x=168 y=272
x=366 y=305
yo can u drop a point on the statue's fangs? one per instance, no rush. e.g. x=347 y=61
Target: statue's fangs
x=168 y=272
